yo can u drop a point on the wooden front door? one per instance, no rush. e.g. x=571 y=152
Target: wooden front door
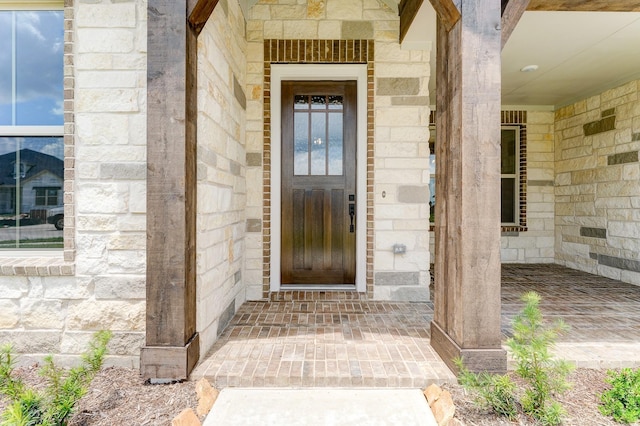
x=318 y=182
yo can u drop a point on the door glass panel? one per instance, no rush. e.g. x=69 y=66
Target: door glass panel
x=335 y=102
x=508 y=149
x=336 y=144
x=318 y=144
x=301 y=102
x=318 y=102
x=508 y=187
x=301 y=143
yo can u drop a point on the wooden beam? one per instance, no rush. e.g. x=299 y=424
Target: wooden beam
x=586 y=5
x=511 y=14
x=447 y=12
x=407 y=9
x=199 y=12
x=466 y=318
x=172 y=344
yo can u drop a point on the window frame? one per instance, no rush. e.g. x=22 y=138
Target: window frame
x=517 y=177
x=11 y=131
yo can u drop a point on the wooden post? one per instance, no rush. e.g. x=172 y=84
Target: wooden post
x=172 y=343
x=467 y=229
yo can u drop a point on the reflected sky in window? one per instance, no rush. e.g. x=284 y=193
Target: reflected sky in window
x=31 y=68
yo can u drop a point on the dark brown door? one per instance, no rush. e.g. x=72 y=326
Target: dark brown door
x=318 y=182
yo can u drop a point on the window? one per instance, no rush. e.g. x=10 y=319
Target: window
x=509 y=171
x=510 y=175
x=31 y=126
x=47 y=196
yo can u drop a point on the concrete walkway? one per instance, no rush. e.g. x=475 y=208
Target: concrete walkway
x=320 y=407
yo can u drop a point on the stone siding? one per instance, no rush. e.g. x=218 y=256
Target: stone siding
x=54 y=306
x=597 y=184
x=221 y=166
x=536 y=243
x=401 y=117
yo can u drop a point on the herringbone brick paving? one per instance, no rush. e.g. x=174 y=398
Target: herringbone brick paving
x=337 y=339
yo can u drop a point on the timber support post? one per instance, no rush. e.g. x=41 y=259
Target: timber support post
x=467 y=219
x=172 y=345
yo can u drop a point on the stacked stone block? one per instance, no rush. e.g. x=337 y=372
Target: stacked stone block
x=55 y=304
x=401 y=116
x=598 y=184
x=536 y=243
x=221 y=159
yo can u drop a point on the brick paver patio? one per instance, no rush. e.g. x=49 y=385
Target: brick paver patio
x=335 y=339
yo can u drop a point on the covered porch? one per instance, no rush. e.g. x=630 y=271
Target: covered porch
x=337 y=339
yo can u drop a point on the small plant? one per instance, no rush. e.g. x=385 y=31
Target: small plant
x=493 y=391
x=543 y=376
x=622 y=400
x=54 y=405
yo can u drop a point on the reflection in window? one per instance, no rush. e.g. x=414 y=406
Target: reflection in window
x=31 y=128
x=318 y=134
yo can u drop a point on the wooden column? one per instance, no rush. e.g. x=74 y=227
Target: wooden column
x=467 y=229
x=172 y=343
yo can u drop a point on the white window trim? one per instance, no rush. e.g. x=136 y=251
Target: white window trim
x=17 y=131
x=341 y=72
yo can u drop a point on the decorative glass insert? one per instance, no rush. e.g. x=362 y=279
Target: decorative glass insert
x=318 y=133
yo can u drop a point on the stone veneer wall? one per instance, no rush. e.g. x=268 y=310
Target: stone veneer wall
x=401 y=116
x=534 y=243
x=54 y=304
x=221 y=170
x=532 y=239
x=597 y=213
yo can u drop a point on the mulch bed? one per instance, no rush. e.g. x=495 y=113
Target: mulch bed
x=119 y=396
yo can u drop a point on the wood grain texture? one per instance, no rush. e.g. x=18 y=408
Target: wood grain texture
x=171 y=198
x=317 y=247
x=407 y=10
x=447 y=12
x=467 y=217
x=586 y=5
x=199 y=12
x=511 y=15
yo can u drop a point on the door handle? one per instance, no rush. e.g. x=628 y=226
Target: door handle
x=352 y=215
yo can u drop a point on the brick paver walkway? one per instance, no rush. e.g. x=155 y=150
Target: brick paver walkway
x=336 y=339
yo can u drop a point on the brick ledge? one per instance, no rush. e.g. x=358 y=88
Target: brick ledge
x=35 y=266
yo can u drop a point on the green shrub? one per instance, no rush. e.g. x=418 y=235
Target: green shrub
x=543 y=377
x=622 y=400
x=54 y=405
x=493 y=391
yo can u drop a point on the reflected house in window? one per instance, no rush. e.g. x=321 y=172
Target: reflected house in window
x=30 y=183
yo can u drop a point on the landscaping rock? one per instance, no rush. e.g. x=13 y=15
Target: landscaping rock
x=443 y=409
x=186 y=418
x=432 y=393
x=207 y=395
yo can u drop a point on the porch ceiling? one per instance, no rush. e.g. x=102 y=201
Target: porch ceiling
x=578 y=54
